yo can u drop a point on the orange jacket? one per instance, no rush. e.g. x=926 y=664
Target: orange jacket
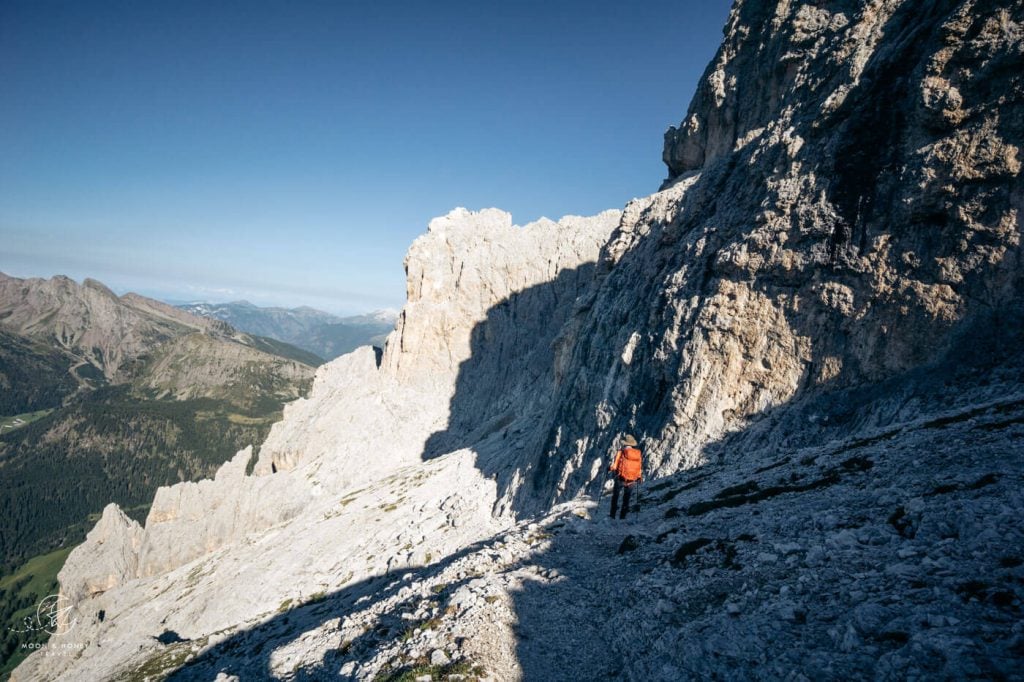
x=628 y=464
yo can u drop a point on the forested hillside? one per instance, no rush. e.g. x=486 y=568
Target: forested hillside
x=32 y=375
x=111 y=446
x=106 y=398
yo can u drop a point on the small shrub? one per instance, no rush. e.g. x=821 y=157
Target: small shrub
x=422 y=667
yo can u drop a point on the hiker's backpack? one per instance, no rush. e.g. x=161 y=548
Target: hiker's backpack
x=630 y=464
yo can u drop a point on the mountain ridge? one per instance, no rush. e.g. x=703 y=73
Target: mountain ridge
x=122 y=377
x=324 y=334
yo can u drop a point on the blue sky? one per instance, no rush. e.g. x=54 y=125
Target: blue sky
x=289 y=152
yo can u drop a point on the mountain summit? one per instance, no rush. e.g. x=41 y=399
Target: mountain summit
x=814 y=331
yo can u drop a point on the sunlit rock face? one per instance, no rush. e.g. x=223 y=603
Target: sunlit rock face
x=366 y=415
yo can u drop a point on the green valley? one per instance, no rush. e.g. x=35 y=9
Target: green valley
x=104 y=399
x=21 y=591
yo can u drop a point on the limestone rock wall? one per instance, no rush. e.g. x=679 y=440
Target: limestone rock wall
x=110 y=552
x=354 y=544
x=844 y=206
x=467 y=264
x=368 y=415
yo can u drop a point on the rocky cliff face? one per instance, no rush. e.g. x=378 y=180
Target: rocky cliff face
x=367 y=415
x=465 y=266
x=834 y=257
x=846 y=206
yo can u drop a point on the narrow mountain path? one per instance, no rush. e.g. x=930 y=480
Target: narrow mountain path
x=564 y=630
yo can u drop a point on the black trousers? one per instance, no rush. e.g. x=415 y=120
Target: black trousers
x=626 y=487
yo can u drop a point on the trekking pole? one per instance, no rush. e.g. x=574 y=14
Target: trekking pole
x=639 y=483
x=600 y=493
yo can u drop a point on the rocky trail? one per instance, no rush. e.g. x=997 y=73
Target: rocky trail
x=894 y=554
x=563 y=626
x=848 y=560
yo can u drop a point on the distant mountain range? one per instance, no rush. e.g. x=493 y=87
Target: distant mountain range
x=104 y=398
x=316 y=331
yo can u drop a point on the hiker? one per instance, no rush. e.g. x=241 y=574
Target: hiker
x=628 y=468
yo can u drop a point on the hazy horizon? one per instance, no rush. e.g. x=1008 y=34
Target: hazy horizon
x=264 y=299
x=290 y=156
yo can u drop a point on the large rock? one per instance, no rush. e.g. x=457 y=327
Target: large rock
x=109 y=556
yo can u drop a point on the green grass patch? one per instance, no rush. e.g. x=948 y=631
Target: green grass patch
x=422 y=667
x=316 y=597
x=42 y=568
x=252 y=421
x=428 y=624
x=8 y=424
x=20 y=594
x=164 y=662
